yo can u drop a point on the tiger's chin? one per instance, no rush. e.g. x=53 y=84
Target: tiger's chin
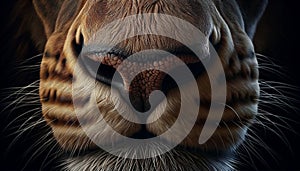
x=217 y=154
x=179 y=158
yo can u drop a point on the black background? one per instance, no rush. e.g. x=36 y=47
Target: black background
x=277 y=38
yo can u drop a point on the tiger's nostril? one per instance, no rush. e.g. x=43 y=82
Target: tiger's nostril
x=102 y=71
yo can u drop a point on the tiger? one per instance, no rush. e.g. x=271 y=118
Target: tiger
x=66 y=34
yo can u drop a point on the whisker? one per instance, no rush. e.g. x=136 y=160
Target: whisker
x=21 y=117
x=30 y=59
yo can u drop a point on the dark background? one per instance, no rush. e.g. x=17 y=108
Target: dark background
x=277 y=38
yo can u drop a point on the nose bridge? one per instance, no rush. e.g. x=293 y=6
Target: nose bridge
x=150 y=6
x=105 y=11
x=102 y=15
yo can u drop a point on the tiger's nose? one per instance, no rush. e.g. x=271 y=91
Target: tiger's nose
x=138 y=75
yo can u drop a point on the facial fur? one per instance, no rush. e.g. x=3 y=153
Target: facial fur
x=69 y=26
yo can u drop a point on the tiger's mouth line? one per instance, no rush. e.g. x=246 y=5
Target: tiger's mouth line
x=178 y=149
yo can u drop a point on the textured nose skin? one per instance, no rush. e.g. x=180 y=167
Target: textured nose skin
x=144 y=73
x=140 y=74
x=142 y=86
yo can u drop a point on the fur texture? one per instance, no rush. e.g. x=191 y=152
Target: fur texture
x=58 y=38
